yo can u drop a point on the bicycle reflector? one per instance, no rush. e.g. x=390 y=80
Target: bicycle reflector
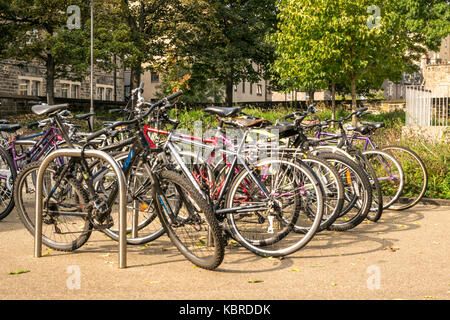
x=349 y=177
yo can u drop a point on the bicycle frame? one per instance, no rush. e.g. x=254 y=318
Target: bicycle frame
x=367 y=142
x=49 y=138
x=198 y=141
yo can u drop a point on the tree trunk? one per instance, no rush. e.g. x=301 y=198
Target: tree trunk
x=50 y=79
x=354 y=105
x=311 y=96
x=229 y=90
x=136 y=77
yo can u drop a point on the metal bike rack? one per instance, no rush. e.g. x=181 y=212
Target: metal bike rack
x=122 y=198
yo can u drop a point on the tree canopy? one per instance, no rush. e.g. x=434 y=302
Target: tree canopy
x=359 y=43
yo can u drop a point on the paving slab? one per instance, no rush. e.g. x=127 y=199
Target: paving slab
x=403 y=256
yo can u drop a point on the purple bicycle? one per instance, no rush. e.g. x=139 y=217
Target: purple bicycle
x=388 y=169
x=18 y=151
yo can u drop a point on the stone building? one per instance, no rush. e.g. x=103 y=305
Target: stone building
x=243 y=92
x=434 y=70
x=25 y=81
x=437 y=74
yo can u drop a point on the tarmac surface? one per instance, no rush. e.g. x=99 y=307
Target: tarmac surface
x=403 y=256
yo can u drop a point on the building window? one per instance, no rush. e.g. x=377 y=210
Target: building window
x=154 y=77
x=35 y=88
x=251 y=88
x=75 y=91
x=104 y=92
x=289 y=96
x=65 y=89
x=243 y=86
x=29 y=86
x=259 y=90
x=23 y=87
x=108 y=94
x=235 y=87
x=100 y=93
x=70 y=89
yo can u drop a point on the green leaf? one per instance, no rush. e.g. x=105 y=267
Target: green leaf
x=255 y=281
x=19 y=272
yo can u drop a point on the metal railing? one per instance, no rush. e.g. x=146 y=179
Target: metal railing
x=427 y=105
x=122 y=198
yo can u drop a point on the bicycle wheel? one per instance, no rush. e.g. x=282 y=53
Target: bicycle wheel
x=192 y=228
x=65 y=226
x=390 y=175
x=142 y=223
x=415 y=174
x=357 y=192
x=7 y=176
x=376 y=209
x=333 y=189
x=296 y=200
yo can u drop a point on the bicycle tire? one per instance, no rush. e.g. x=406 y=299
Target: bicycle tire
x=259 y=238
x=81 y=231
x=410 y=202
x=8 y=175
x=376 y=209
x=333 y=188
x=141 y=205
x=390 y=175
x=203 y=244
x=332 y=185
x=353 y=178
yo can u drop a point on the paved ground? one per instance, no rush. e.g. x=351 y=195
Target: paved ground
x=404 y=256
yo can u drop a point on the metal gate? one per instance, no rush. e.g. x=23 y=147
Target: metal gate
x=427 y=106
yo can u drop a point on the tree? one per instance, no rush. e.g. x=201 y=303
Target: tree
x=38 y=31
x=428 y=21
x=357 y=42
x=138 y=32
x=179 y=76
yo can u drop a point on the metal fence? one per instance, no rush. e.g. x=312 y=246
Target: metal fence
x=427 y=106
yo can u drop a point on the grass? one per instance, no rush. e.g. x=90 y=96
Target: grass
x=436 y=156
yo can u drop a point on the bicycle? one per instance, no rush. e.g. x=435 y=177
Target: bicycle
x=414 y=169
x=234 y=202
x=70 y=201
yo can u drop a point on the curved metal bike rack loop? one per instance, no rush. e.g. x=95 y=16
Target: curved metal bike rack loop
x=122 y=198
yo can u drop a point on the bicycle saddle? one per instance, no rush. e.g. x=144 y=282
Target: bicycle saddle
x=284 y=131
x=41 y=109
x=362 y=129
x=224 y=112
x=374 y=124
x=9 y=127
x=84 y=116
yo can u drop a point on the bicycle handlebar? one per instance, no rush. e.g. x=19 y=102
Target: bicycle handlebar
x=359 y=113
x=138 y=119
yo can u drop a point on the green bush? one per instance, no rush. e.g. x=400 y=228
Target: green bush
x=436 y=156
